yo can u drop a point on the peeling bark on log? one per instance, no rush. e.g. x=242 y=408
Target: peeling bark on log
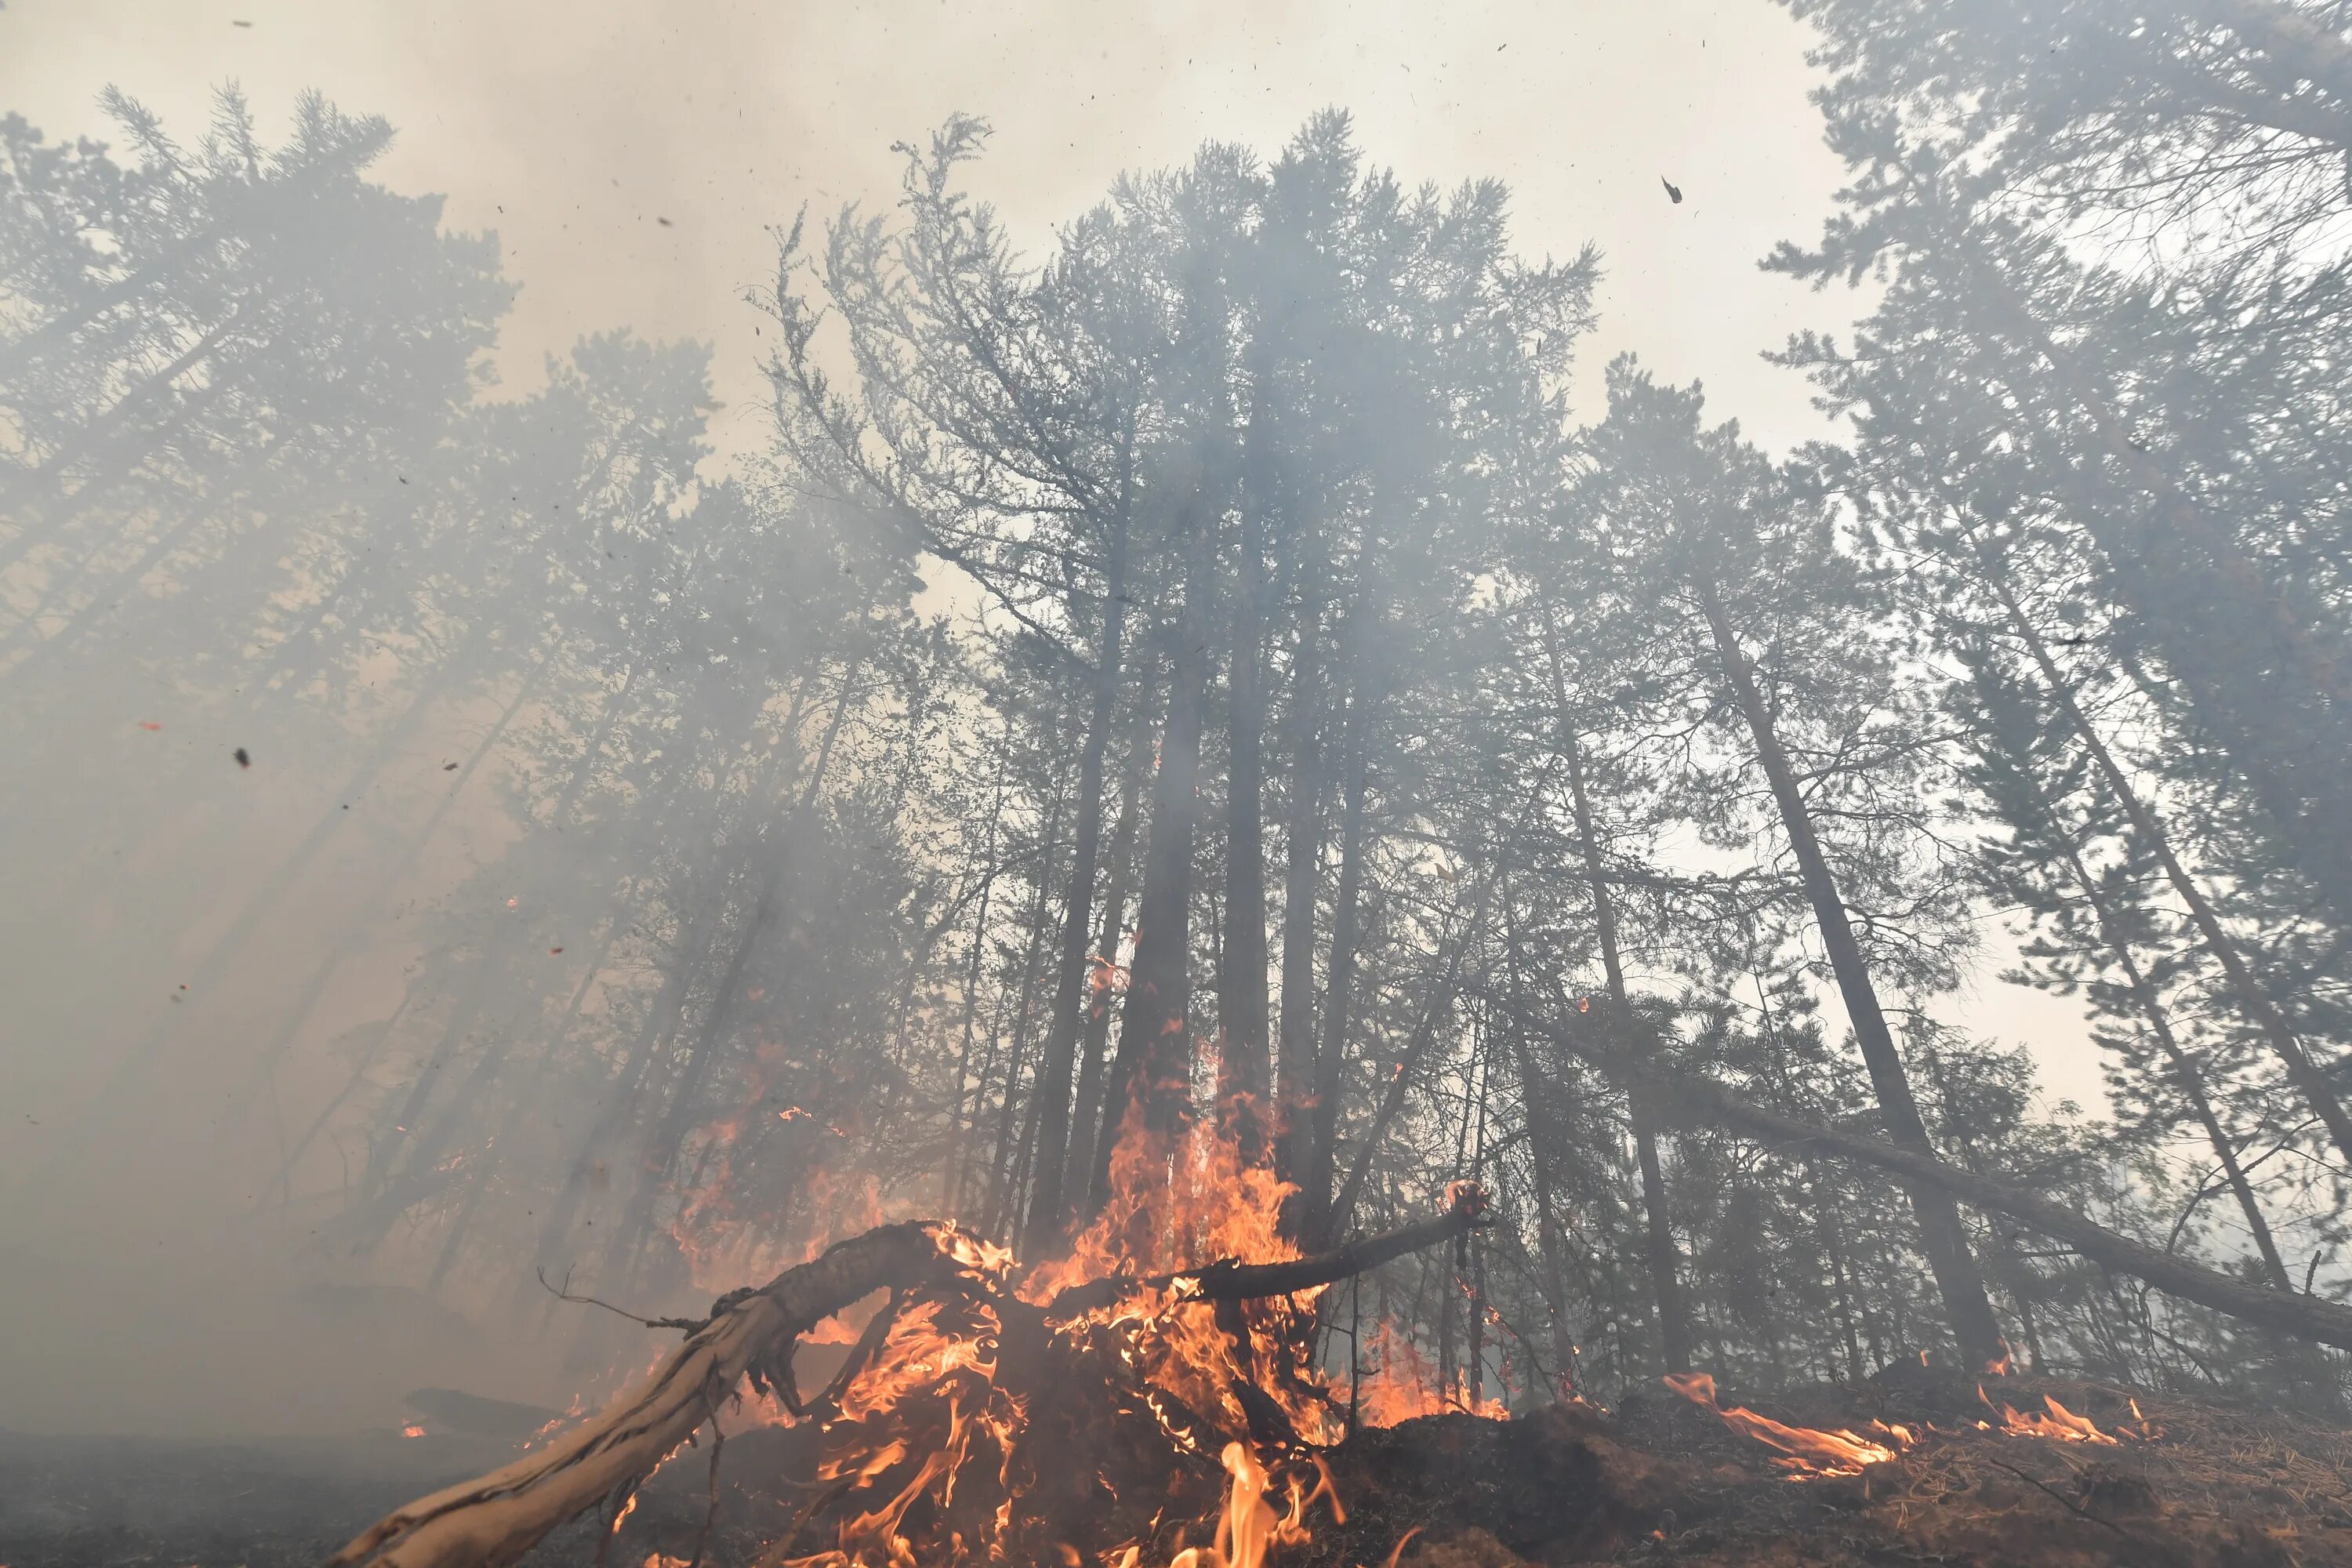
x=1696 y=1102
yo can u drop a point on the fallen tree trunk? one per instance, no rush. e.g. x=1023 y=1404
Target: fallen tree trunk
x=495 y=1518
x=1693 y=1101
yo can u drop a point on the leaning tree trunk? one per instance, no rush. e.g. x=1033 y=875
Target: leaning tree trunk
x=2186 y=1077
x=1940 y=1231
x=2253 y=998
x=2219 y=622
x=1696 y=1102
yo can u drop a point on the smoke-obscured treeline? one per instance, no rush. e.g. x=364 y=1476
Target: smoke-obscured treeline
x=1199 y=647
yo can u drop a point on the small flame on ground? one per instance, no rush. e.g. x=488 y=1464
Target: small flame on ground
x=412 y=1430
x=2061 y=1423
x=1809 y=1451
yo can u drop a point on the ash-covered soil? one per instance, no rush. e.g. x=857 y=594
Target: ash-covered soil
x=1658 y=1481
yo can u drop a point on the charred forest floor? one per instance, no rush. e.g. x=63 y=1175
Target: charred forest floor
x=1660 y=1480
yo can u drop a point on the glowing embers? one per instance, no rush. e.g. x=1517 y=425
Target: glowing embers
x=2061 y=1423
x=1806 y=1452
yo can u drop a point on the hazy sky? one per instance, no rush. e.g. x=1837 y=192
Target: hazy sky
x=572 y=126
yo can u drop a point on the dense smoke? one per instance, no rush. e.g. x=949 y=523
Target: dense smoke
x=1252 y=644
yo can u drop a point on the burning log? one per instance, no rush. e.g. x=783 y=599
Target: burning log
x=751 y=1334
x=1696 y=1102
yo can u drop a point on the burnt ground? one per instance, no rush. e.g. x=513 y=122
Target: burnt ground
x=1658 y=1481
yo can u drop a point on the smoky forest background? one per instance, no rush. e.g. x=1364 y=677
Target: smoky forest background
x=1193 y=665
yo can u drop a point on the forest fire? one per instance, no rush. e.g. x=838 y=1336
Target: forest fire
x=1009 y=905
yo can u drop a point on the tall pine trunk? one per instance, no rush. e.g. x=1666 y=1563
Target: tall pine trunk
x=1068 y=1019
x=1316 y=1181
x=1301 y=880
x=2252 y=999
x=1096 y=1086
x=1665 y=1284
x=1155 y=1049
x=1940 y=1231
x=1245 y=1068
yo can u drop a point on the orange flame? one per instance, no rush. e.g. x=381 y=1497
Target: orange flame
x=1399 y=1384
x=1809 y=1451
x=2061 y=1423
x=1180 y=1202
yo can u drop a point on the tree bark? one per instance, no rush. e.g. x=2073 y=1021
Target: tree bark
x=1243 y=1066
x=1069 y=1015
x=1302 y=877
x=1665 y=1284
x=1155 y=1049
x=1000 y=1207
x=950 y=1169
x=1096 y=1087
x=1323 y=1103
x=1945 y=1241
